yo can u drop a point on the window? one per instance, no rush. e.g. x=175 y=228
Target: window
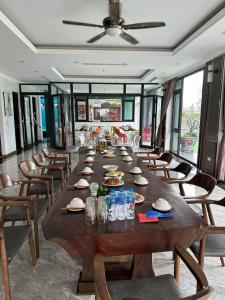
x=107 y=88
x=128 y=108
x=81 y=108
x=147 y=121
x=185 y=124
x=82 y=88
x=60 y=88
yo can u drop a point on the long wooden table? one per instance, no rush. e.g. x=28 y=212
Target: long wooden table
x=82 y=240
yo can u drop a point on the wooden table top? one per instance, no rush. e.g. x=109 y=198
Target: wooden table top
x=120 y=237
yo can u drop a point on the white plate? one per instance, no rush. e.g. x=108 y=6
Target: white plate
x=153 y=205
x=136 y=172
x=141 y=184
x=87 y=173
x=74 y=209
x=80 y=186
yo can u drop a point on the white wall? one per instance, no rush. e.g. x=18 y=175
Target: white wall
x=7 y=126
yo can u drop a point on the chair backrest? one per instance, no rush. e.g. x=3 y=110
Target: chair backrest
x=45 y=152
x=166 y=156
x=204 y=181
x=183 y=168
x=157 y=151
x=39 y=158
x=5 y=181
x=26 y=166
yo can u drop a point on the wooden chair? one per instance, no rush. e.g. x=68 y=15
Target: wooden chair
x=200 y=180
x=37 y=206
x=161 y=163
x=62 y=158
x=12 y=238
x=179 y=173
x=153 y=288
x=32 y=172
x=49 y=168
x=214 y=243
x=147 y=156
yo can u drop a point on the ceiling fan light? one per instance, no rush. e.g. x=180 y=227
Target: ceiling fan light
x=113 y=31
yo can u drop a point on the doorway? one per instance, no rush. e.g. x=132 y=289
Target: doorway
x=16 y=110
x=27 y=122
x=35 y=123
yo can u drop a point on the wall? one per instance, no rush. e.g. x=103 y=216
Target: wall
x=7 y=126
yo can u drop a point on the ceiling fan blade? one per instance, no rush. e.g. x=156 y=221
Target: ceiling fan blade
x=144 y=25
x=81 y=24
x=128 y=38
x=114 y=10
x=96 y=38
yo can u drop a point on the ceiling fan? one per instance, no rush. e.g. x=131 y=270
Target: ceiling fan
x=114 y=25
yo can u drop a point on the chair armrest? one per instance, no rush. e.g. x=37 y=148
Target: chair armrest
x=14 y=203
x=100 y=279
x=215 y=230
x=196 y=197
x=193 y=266
x=177 y=181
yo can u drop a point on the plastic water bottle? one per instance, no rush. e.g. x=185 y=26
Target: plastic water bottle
x=111 y=200
x=121 y=205
x=130 y=205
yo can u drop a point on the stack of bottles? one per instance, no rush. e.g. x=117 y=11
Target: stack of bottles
x=121 y=205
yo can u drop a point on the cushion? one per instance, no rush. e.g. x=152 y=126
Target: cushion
x=14 y=238
x=154 y=288
x=56 y=174
x=215 y=246
x=18 y=213
x=38 y=188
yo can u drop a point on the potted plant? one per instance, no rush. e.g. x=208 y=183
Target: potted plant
x=191 y=122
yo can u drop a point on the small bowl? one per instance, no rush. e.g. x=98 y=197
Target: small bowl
x=136 y=170
x=91 y=152
x=127 y=158
x=89 y=147
x=124 y=153
x=141 y=181
x=89 y=159
x=81 y=184
x=122 y=148
x=110 y=168
x=87 y=171
x=162 y=205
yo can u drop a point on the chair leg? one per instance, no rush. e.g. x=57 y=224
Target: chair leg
x=202 y=253
x=5 y=269
x=222 y=261
x=32 y=249
x=177 y=274
x=36 y=231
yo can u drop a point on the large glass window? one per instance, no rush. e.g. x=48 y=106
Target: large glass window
x=185 y=124
x=191 y=112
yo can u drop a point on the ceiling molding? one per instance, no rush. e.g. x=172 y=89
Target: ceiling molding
x=210 y=20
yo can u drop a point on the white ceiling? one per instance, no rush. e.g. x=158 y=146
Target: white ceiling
x=32 y=31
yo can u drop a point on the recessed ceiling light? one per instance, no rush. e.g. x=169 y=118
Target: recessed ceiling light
x=76 y=62
x=35 y=71
x=177 y=64
x=20 y=61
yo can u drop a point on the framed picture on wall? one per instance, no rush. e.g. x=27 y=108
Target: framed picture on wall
x=8 y=105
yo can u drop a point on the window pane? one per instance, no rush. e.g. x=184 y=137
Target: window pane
x=107 y=88
x=34 y=88
x=81 y=88
x=176 y=111
x=174 y=142
x=191 y=113
x=133 y=88
x=57 y=121
x=60 y=88
x=128 y=111
x=178 y=85
x=147 y=121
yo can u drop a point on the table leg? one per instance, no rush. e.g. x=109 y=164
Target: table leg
x=142 y=266
x=86 y=282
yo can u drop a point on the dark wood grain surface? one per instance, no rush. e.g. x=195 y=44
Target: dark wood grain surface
x=120 y=237
x=82 y=240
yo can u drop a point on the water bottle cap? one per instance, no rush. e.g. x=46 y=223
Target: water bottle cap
x=112 y=191
x=130 y=189
x=122 y=190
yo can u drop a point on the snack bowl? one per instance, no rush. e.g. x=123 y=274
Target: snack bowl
x=81 y=184
x=162 y=205
x=91 y=152
x=87 y=171
x=141 y=181
x=110 y=168
x=122 y=148
x=124 y=153
x=127 y=158
x=90 y=147
x=89 y=159
x=136 y=170
x=76 y=204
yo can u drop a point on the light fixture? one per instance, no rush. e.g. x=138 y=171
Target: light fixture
x=20 y=61
x=113 y=31
x=211 y=72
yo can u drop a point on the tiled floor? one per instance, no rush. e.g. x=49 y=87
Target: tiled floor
x=55 y=274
